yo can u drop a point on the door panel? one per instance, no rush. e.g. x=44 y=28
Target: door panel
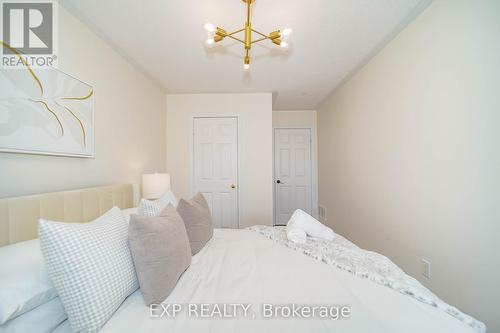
x=292 y=173
x=215 y=167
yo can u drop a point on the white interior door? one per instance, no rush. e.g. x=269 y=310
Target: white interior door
x=292 y=173
x=215 y=166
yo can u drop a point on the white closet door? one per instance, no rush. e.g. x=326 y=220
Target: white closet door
x=292 y=173
x=215 y=160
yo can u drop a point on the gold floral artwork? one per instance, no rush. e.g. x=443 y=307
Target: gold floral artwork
x=45 y=111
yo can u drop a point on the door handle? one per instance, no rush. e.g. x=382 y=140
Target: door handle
x=233 y=186
x=278 y=181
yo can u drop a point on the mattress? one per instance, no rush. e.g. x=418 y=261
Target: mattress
x=243 y=267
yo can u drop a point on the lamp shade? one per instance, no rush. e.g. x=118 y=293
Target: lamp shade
x=155 y=185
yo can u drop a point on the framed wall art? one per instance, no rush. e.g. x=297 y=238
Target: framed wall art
x=45 y=111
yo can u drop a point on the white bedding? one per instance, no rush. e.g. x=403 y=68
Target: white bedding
x=366 y=265
x=242 y=266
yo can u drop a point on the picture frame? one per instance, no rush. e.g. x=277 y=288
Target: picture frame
x=46 y=111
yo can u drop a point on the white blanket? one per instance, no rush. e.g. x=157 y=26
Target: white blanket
x=369 y=265
x=302 y=225
x=242 y=266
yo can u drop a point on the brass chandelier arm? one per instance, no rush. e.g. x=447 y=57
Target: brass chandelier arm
x=231 y=35
x=237 y=39
x=260 y=40
x=260 y=33
x=249 y=4
x=235 y=32
x=221 y=34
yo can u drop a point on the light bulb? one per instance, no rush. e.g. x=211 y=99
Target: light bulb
x=286 y=32
x=284 y=44
x=246 y=66
x=209 y=27
x=210 y=41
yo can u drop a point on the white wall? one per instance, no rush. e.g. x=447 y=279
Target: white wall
x=409 y=153
x=303 y=119
x=129 y=122
x=254 y=112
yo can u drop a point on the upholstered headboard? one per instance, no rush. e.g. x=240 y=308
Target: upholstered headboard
x=19 y=216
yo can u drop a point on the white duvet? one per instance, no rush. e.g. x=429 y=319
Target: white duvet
x=242 y=266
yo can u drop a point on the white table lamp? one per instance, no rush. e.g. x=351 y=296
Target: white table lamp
x=155 y=185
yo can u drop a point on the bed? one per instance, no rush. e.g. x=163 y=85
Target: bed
x=240 y=267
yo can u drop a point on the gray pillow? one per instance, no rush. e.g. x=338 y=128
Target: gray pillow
x=198 y=221
x=161 y=252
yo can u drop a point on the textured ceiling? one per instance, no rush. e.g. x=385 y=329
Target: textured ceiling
x=330 y=40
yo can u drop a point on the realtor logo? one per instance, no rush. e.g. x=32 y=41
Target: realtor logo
x=28 y=29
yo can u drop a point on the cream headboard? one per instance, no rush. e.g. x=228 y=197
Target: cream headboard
x=19 y=216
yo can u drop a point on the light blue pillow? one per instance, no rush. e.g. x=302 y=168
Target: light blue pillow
x=91 y=267
x=153 y=208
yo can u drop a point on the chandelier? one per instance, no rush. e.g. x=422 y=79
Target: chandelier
x=278 y=37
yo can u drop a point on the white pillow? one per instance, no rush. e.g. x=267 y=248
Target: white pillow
x=303 y=222
x=154 y=208
x=24 y=282
x=91 y=267
x=295 y=234
x=42 y=319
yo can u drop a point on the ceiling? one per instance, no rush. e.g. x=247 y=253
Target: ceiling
x=331 y=39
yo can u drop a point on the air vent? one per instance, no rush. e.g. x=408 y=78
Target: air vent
x=322 y=213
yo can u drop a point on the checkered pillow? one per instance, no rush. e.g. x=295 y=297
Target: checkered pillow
x=91 y=267
x=153 y=208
